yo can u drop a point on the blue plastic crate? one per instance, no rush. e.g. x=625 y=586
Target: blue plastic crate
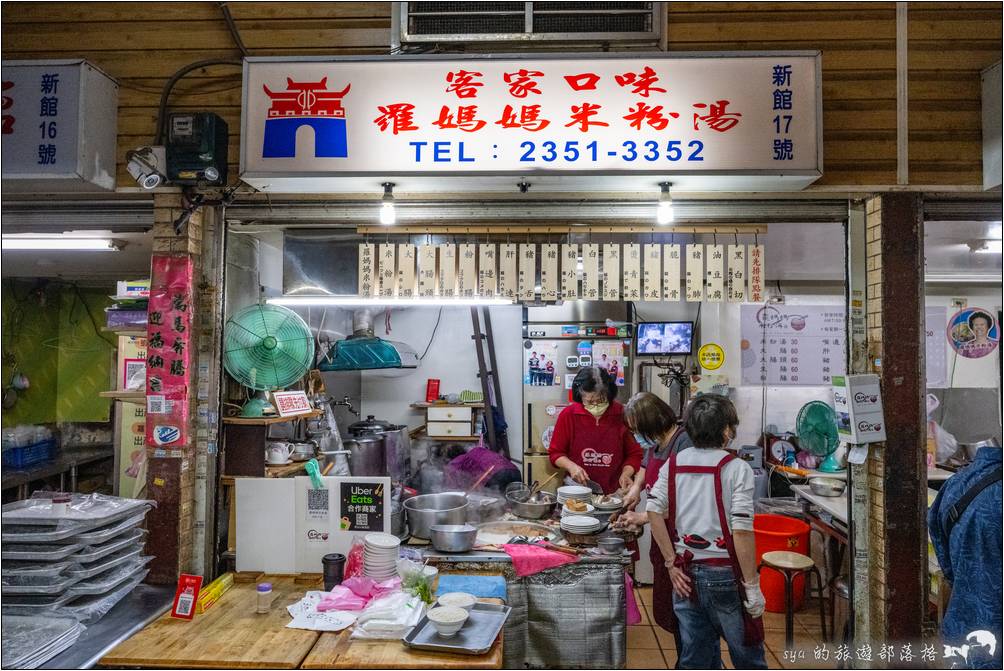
x=20 y=458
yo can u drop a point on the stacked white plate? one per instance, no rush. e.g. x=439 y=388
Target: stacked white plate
x=565 y=512
x=581 y=524
x=380 y=556
x=613 y=504
x=576 y=492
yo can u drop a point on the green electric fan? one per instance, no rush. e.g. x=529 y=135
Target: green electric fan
x=817 y=433
x=265 y=348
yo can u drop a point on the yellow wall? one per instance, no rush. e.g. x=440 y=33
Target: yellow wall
x=142 y=44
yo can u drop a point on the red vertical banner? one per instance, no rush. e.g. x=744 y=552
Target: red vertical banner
x=169 y=340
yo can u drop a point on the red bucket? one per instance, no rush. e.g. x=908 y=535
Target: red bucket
x=777 y=532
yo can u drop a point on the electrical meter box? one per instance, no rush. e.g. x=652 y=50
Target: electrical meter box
x=858 y=402
x=197 y=148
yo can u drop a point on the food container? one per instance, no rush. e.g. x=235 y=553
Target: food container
x=827 y=486
x=458 y=600
x=611 y=545
x=430 y=509
x=522 y=507
x=447 y=620
x=453 y=537
x=482 y=508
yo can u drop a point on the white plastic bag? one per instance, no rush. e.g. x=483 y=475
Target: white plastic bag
x=389 y=617
x=945 y=443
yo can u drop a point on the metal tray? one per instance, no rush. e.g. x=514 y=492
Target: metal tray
x=96 y=552
x=108 y=532
x=55 y=585
x=66 y=529
x=110 y=562
x=40 y=552
x=34 y=569
x=110 y=579
x=476 y=637
x=512 y=528
x=94 y=509
x=34 y=601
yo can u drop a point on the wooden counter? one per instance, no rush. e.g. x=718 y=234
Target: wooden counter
x=335 y=650
x=229 y=635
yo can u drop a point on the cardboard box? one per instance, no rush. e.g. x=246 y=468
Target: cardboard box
x=857 y=400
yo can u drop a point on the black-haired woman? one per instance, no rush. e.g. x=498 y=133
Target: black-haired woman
x=591 y=440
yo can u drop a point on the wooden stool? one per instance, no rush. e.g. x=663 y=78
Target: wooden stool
x=792 y=564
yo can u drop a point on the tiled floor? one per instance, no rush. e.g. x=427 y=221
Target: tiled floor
x=649 y=646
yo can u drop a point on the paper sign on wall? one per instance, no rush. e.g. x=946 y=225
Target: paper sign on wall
x=936 y=346
x=716 y=273
x=671 y=272
x=792 y=345
x=406 y=271
x=289 y=403
x=757 y=280
x=427 y=271
x=527 y=272
x=549 y=272
x=447 y=270
x=367 y=271
x=695 y=273
x=388 y=270
x=736 y=274
x=652 y=273
x=570 y=272
x=508 y=270
x=487 y=277
x=632 y=272
x=591 y=272
x=467 y=278
x=611 y=272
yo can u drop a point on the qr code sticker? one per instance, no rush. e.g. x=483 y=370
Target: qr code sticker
x=317 y=504
x=156 y=405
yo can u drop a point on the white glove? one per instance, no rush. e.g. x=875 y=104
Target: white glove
x=755 y=603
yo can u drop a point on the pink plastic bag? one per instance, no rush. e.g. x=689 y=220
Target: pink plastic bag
x=633 y=614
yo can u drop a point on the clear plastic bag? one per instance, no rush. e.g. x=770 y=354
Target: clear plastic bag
x=389 y=617
x=779 y=505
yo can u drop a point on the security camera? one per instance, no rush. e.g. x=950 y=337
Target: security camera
x=146 y=165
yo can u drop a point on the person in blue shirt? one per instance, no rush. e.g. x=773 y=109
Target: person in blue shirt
x=965 y=528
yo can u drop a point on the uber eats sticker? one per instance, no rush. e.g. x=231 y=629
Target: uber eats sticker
x=362 y=506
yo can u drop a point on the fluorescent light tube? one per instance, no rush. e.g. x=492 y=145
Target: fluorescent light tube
x=18 y=243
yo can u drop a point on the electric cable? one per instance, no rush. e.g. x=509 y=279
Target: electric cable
x=433 y=336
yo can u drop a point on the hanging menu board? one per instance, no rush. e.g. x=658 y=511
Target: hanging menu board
x=611 y=272
x=695 y=273
x=792 y=345
x=736 y=274
x=591 y=272
x=507 y=270
x=549 y=272
x=427 y=271
x=671 y=272
x=527 y=272
x=447 y=270
x=388 y=271
x=756 y=274
x=467 y=277
x=716 y=273
x=651 y=273
x=570 y=272
x=486 y=271
x=632 y=272
x=406 y=271
x=936 y=346
x=367 y=271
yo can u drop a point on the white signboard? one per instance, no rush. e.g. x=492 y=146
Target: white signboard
x=792 y=345
x=508 y=263
x=756 y=274
x=695 y=273
x=619 y=115
x=388 y=270
x=632 y=272
x=671 y=272
x=936 y=346
x=549 y=272
x=736 y=274
x=570 y=272
x=406 y=270
x=447 y=270
x=591 y=271
x=58 y=127
x=367 y=271
x=467 y=278
x=427 y=271
x=716 y=273
x=611 y=272
x=527 y=272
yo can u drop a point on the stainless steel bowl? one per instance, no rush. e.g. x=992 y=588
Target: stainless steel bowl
x=428 y=509
x=453 y=537
x=611 y=545
x=521 y=507
x=827 y=486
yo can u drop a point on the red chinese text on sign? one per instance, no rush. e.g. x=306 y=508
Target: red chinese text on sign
x=717 y=118
x=465 y=118
x=462 y=83
x=643 y=82
x=522 y=83
x=653 y=116
x=582 y=116
x=583 y=82
x=528 y=119
x=396 y=116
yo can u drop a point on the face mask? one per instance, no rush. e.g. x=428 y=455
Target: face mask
x=644 y=442
x=597 y=409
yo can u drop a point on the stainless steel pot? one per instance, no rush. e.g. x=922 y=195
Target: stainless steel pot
x=453 y=537
x=484 y=508
x=397 y=451
x=397 y=525
x=366 y=456
x=429 y=509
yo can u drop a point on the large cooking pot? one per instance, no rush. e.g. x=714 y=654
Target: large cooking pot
x=397 y=448
x=369 y=425
x=430 y=509
x=367 y=456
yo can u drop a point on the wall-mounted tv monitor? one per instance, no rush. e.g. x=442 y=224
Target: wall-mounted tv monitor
x=664 y=338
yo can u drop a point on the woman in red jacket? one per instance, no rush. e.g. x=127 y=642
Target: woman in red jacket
x=591 y=440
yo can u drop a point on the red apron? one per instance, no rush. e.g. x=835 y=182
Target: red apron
x=752 y=627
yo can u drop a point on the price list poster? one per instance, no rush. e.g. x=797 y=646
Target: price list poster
x=796 y=345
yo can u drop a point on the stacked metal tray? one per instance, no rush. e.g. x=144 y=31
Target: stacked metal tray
x=74 y=562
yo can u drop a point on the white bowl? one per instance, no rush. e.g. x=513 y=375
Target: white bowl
x=459 y=600
x=448 y=620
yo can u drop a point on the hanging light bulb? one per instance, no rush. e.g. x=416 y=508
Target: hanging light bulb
x=387 y=214
x=664 y=212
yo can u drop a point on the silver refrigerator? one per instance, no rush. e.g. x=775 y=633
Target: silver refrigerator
x=559 y=340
